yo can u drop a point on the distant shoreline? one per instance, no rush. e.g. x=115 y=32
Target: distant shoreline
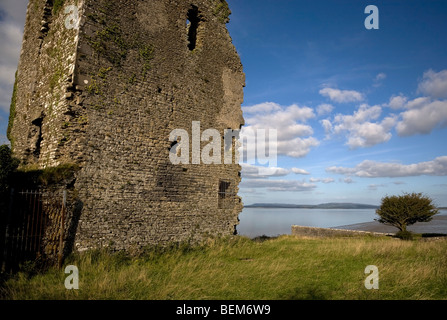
x=331 y=205
x=308 y=206
x=438 y=225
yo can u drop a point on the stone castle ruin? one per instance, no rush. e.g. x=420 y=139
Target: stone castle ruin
x=100 y=86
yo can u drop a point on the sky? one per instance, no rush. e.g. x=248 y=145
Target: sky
x=12 y=20
x=360 y=113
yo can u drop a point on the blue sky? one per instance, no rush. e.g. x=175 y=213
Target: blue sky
x=366 y=109
x=360 y=113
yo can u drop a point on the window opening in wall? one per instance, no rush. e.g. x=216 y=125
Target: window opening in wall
x=37 y=136
x=192 y=25
x=225 y=195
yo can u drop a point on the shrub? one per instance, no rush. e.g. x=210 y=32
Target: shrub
x=405 y=210
x=8 y=165
x=404 y=235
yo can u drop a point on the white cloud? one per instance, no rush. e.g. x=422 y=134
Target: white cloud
x=294 y=136
x=15 y=10
x=374 y=187
x=277 y=185
x=434 y=84
x=397 y=102
x=324 y=109
x=364 y=113
x=327 y=125
x=266 y=107
x=417 y=103
x=348 y=180
x=423 y=117
x=250 y=171
x=11 y=40
x=249 y=190
x=342 y=96
x=300 y=171
x=381 y=76
x=256 y=172
x=11 y=34
x=3 y=139
x=296 y=147
x=378 y=79
x=420 y=115
x=5 y=97
x=374 y=169
x=361 y=132
x=424 y=114
x=325 y=180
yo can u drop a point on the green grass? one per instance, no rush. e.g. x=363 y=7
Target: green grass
x=239 y=268
x=31 y=176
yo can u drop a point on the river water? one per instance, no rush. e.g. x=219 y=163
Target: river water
x=276 y=221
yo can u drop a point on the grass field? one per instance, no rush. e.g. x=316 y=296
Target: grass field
x=239 y=268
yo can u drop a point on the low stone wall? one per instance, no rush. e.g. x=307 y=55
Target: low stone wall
x=327 y=232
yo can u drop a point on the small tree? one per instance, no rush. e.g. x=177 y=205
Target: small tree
x=7 y=166
x=405 y=210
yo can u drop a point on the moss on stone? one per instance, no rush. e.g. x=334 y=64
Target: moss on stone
x=30 y=176
x=58 y=174
x=56 y=77
x=147 y=54
x=12 y=111
x=102 y=73
x=94 y=88
x=222 y=11
x=110 y=43
x=57 y=5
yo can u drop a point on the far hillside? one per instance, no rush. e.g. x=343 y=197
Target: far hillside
x=331 y=205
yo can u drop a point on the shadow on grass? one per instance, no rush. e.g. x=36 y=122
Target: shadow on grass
x=433 y=235
x=311 y=293
x=263 y=238
x=417 y=236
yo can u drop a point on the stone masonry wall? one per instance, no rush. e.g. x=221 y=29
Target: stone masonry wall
x=107 y=97
x=330 y=232
x=44 y=79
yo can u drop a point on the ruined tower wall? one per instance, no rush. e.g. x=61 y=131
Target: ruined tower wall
x=44 y=78
x=132 y=73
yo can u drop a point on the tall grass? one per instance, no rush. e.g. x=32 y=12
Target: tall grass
x=239 y=268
